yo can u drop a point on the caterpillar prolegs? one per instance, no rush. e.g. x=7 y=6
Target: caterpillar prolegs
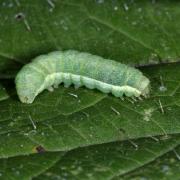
x=81 y=69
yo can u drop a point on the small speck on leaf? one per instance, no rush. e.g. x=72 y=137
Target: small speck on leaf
x=19 y=16
x=39 y=149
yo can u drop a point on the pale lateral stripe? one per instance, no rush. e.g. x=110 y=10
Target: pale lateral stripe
x=53 y=76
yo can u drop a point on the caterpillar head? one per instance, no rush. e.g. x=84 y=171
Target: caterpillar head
x=28 y=84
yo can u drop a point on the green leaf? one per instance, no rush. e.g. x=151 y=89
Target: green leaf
x=26 y=167
x=132 y=32
x=166 y=167
x=3 y=94
x=90 y=118
x=106 y=161
x=137 y=32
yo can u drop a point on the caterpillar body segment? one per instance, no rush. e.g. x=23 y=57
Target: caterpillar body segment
x=81 y=69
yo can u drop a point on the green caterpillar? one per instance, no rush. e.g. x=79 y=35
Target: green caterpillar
x=81 y=69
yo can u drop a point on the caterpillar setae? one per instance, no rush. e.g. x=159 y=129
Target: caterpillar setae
x=81 y=69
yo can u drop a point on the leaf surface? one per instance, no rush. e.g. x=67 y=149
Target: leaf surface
x=73 y=121
x=166 y=167
x=26 y=167
x=92 y=118
x=107 y=161
x=3 y=94
x=136 y=33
